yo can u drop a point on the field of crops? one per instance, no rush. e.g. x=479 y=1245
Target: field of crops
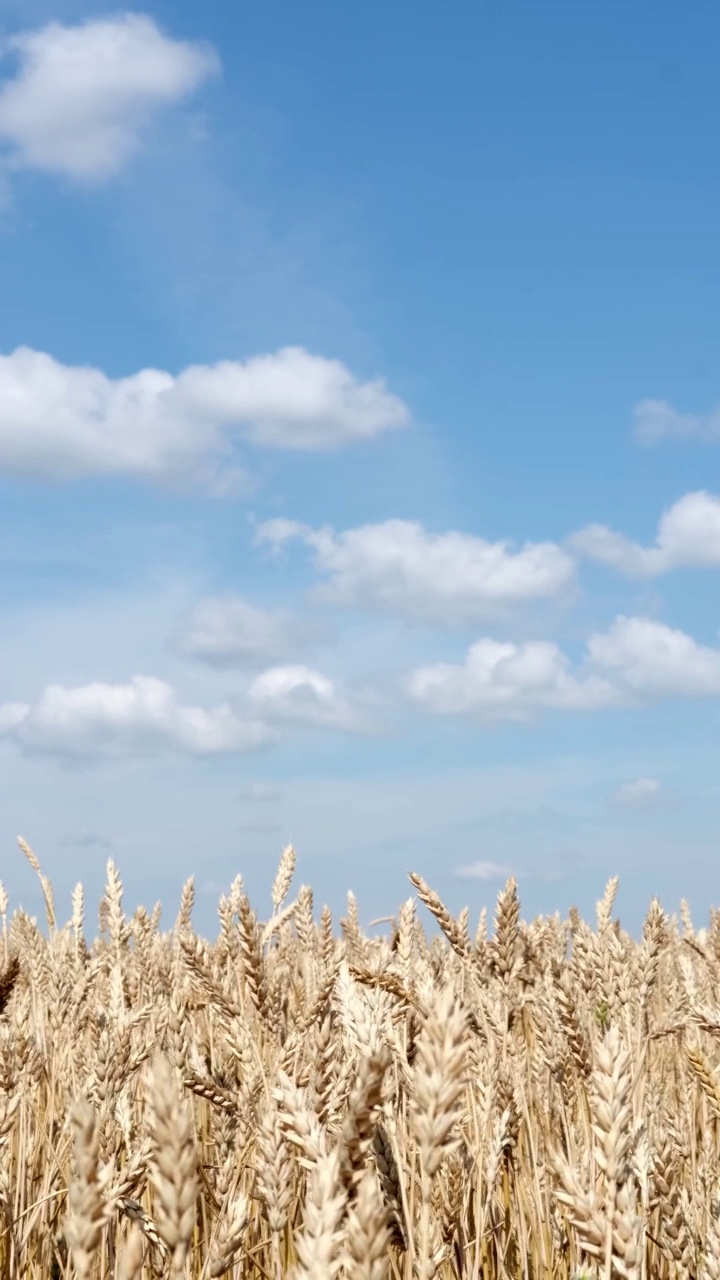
x=518 y=1100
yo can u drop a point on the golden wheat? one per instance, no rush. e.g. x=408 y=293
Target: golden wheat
x=285 y=1101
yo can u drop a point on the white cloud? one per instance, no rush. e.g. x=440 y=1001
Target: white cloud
x=83 y=95
x=688 y=537
x=142 y=716
x=650 y=660
x=449 y=578
x=292 y=400
x=636 y=794
x=657 y=420
x=507 y=681
x=146 y=716
x=637 y=660
x=303 y=696
x=64 y=422
x=483 y=871
x=228 y=631
x=548 y=871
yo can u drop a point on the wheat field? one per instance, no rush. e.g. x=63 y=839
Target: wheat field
x=537 y=1100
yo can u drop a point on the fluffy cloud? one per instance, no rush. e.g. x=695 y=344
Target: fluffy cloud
x=145 y=716
x=649 y=660
x=228 y=631
x=299 y=695
x=688 y=537
x=449 y=577
x=65 y=422
x=124 y=719
x=637 y=794
x=82 y=95
x=637 y=660
x=657 y=420
x=507 y=681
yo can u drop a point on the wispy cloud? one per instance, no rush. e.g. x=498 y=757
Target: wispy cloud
x=656 y=420
x=499 y=872
x=485 y=871
x=261 y=792
x=226 y=631
x=638 y=794
x=83 y=96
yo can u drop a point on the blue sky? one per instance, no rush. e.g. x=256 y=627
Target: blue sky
x=359 y=449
